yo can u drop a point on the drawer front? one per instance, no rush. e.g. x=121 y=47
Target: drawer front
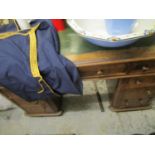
x=118 y=70
x=134 y=98
x=98 y=71
x=137 y=82
x=138 y=68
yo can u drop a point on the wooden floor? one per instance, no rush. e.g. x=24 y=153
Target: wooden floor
x=82 y=116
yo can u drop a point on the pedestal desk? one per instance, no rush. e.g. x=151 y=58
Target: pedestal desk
x=129 y=71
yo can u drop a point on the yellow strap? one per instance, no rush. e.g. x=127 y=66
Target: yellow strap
x=10 y=34
x=33 y=54
x=34 y=61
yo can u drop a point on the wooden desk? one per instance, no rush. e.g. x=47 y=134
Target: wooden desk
x=129 y=71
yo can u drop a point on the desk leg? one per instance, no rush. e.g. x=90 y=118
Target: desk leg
x=125 y=96
x=48 y=107
x=98 y=97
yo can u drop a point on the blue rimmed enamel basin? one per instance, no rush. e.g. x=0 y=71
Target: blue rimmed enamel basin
x=94 y=31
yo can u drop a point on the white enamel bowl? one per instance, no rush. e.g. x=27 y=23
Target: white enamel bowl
x=95 y=32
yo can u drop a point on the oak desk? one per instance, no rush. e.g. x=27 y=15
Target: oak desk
x=129 y=71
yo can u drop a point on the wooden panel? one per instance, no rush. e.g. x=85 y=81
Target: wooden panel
x=133 y=98
x=48 y=107
x=137 y=82
x=127 y=95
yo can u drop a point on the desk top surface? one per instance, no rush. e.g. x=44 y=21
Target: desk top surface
x=82 y=52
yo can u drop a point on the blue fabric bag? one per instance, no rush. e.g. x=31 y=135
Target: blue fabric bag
x=31 y=64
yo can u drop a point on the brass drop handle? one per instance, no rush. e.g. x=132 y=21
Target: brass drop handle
x=149 y=93
x=100 y=72
x=138 y=82
x=145 y=68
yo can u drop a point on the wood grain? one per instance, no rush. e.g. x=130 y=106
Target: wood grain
x=48 y=107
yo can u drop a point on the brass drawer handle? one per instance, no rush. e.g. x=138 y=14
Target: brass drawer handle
x=138 y=82
x=149 y=93
x=100 y=72
x=145 y=68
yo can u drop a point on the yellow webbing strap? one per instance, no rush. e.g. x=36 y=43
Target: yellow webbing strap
x=34 y=62
x=10 y=34
x=33 y=56
x=33 y=53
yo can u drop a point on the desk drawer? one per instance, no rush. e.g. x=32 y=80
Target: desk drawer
x=98 y=71
x=133 y=98
x=137 y=82
x=127 y=94
x=130 y=69
x=138 y=68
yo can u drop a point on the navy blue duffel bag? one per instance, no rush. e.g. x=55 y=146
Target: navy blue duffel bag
x=31 y=64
